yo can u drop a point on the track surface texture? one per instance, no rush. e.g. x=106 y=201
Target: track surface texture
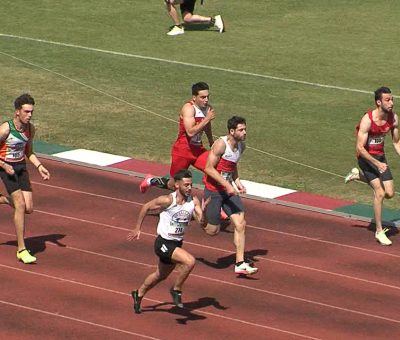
x=320 y=276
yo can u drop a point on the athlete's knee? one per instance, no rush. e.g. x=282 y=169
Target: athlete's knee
x=389 y=193
x=380 y=194
x=240 y=225
x=191 y=262
x=187 y=17
x=212 y=229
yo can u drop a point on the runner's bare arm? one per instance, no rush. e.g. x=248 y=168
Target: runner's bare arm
x=160 y=202
x=189 y=122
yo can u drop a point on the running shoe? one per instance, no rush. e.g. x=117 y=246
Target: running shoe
x=219 y=23
x=176 y=297
x=176 y=30
x=382 y=238
x=353 y=175
x=245 y=268
x=136 y=302
x=25 y=256
x=145 y=184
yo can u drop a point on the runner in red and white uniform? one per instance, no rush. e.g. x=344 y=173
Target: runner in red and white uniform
x=221 y=172
x=194 y=119
x=16 y=137
x=177 y=211
x=371 y=132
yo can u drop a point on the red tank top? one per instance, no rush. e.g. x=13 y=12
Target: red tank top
x=185 y=143
x=376 y=135
x=226 y=166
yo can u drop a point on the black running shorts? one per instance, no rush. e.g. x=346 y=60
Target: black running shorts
x=371 y=172
x=188 y=6
x=164 y=249
x=20 y=180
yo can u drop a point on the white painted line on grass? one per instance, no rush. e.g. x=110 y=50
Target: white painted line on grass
x=209 y=67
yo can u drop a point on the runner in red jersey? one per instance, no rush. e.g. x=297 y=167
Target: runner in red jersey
x=221 y=172
x=194 y=119
x=371 y=132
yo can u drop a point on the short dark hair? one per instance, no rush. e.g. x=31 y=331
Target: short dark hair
x=234 y=121
x=380 y=91
x=184 y=173
x=200 y=86
x=23 y=99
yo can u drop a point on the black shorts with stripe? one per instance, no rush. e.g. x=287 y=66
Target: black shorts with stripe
x=165 y=248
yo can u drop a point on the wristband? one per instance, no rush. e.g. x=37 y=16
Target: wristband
x=38 y=166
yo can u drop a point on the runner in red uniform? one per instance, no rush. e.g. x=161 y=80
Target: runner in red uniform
x=194 y=119
x=371 y=132
x=221 y=172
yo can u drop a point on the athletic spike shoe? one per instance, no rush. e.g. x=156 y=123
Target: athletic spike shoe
x=145 y=184
x=136 y=302
x=176 y=30
x=176 y=297
x=382 y=238
x=219 y=23
x=353 y=175
x=25 y=256
x=245 y=268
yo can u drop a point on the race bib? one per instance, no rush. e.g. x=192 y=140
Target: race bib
x=227 y=175
x=177 y=228
x=377 y=140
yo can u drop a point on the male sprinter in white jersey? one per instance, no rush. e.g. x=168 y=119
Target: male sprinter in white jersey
x=221 y=172
x=177 y=210
x=16 y=137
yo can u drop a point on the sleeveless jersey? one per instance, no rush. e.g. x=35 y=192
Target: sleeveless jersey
x=185 y=143
x=376 y=135
x=226 y=166
x=13 y=148
x=175 y=219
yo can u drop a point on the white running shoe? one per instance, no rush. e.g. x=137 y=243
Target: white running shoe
x=382 y=238
x=219 y=23
x=245 y=268
x=353 y=175
x=176 y=30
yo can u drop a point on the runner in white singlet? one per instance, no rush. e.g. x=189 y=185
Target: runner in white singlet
x=177 y=211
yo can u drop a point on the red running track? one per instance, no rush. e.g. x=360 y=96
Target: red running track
x=321 y=276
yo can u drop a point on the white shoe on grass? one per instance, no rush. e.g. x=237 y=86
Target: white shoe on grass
x=353 y=175
x=219 y=23
x=176 y=30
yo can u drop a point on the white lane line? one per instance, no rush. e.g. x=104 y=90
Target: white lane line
x=249 y=225
x=151 y=300
x=75 y=319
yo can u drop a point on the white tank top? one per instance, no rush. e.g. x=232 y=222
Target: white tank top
x=175 y=219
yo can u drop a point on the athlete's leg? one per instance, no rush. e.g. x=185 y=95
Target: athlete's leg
x=172 y=12
x=185 y=264
x=379 y=195
x=213 y=211
x=389 y=189
x=18 y=202
x=162 y=272
x=239 y=236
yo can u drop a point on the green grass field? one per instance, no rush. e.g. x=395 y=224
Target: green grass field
x=106 y=77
